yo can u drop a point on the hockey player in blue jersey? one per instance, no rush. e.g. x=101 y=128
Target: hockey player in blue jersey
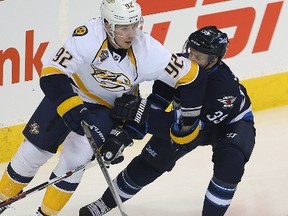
x=226 y=121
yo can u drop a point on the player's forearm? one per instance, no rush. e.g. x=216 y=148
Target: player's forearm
x=159 y=123
x=57 y=88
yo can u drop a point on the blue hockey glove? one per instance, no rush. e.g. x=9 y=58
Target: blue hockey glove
x=114 y=145
x=135 y=131
x=158 y=102
x=131 y=108
x=182 y=137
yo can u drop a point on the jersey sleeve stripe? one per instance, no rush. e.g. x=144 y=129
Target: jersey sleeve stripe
x=50 y=71
x=69 y=104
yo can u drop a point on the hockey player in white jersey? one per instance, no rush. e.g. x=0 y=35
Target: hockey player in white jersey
x=99 y=62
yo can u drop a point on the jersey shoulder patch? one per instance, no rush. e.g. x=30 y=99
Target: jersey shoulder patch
x=80 y=31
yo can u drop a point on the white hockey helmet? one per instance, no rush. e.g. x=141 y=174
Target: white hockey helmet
x=120 y=12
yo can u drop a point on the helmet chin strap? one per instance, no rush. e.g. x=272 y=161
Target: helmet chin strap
x=211 y=61
x=112 y=37
x=208 y=64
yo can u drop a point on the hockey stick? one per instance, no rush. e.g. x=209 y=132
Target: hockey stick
x=104 y=170
x=39 y=187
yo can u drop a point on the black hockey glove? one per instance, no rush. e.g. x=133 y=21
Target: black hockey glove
x=182 y=137
x=74 y=117
x=114 y=145
x=131 y=108
x=73 y=111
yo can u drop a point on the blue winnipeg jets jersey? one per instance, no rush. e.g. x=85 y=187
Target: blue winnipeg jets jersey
x=226 y=99
x=100 y=75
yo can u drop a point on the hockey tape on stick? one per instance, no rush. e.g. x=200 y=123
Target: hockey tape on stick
x=45 y=185
x=86 y=128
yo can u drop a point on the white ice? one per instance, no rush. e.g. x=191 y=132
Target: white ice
x=263 y=190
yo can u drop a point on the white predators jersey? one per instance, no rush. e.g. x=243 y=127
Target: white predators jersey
x=100 y=76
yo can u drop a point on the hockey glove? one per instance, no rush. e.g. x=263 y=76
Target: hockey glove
x=114 y=145
x=73 y=111
x=182 y=137
x=135 y=131
x=158 y=102
x=131 y=108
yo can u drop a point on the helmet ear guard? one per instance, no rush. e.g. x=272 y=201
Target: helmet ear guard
x=208 y=40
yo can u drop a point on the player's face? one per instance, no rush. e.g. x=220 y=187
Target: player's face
x=201 y=58
x=124 y=34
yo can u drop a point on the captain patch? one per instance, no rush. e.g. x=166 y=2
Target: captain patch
x=80 y=31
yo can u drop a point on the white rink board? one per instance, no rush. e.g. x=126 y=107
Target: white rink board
x=51 y=22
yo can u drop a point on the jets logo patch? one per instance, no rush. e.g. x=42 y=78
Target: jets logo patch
x=80 y=31
x=227 y=101
x=111 y=81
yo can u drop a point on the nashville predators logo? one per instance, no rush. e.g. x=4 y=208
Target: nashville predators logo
x=110 y=81
x=80 y=31
x=34 y=128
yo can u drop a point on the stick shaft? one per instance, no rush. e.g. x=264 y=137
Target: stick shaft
x=45 y=184
x=104 y=170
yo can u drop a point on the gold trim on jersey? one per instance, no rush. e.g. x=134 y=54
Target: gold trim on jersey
x=83 y=88
x=190 y=76
x=133 y=60
x=103 y=46
x=136 y=90
x=69 y=104
x=51 y=70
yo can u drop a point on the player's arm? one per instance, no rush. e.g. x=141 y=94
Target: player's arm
x=127 y=107
x=190 y=97
x=157 y=120
x=146 y=115
x=183 y=129
x=55 y=84
x=161 y=96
